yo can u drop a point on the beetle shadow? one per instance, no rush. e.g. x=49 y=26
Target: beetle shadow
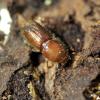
x=36 y=58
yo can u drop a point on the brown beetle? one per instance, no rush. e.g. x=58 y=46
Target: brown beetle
x=50 y=47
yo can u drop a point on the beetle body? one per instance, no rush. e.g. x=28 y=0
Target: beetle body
x=51 y=48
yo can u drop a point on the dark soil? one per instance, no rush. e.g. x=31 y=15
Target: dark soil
x=23 y=75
